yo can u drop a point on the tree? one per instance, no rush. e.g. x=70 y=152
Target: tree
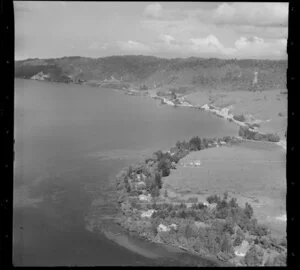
x=226 y=245
x=159 y=154
x=195 y=144
x=204 y=143
x=254 y=256
x=213 y=199
x=248 y=210
x=233 y=203
x=164 y=167
x=154 y=191
x=157 y=180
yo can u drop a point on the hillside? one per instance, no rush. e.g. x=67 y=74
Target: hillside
x=153 y=72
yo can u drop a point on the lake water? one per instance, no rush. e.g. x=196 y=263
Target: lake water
x=70 y=142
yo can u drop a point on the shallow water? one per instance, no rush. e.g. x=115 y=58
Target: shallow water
x=71 y=141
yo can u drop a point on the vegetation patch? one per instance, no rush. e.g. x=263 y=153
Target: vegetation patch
x=239 y=117
x=250 y=134
x=218 y=228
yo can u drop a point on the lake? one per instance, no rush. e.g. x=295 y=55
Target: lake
x=70 y=142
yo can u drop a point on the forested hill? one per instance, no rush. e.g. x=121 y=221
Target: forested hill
x=152 y=72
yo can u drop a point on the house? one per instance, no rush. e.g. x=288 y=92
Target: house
x=242 y=249
x=146 y=198
x=173 y=226
x=200 y=224
x=163 y=228
x=148 y=213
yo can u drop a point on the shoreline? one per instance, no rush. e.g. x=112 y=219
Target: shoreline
x=219 y=112
x=132 y=219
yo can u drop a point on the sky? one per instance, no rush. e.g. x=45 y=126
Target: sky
x=163 y=29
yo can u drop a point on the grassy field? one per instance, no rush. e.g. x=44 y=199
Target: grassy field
x=269 y=107
x=252 y=172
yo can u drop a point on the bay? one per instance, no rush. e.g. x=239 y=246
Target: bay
x=70 y=142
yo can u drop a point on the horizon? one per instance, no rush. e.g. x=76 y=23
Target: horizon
x=164 y=58
x=167 y=30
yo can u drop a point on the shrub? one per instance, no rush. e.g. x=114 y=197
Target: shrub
x=260 y=230
x=237 y=241
x=202 y=215
x=213 y=199
x=190 y=230
x=283 y=242
x=239 y=117
x=182 y=213
x=192 y=200
x=133 y=192
x=179 y=154
x=197 y=206
x=204 y=143
x=280 y=260
x=143 y=87
x=227 y=139
x=272 y=137
x=183 y=145
x=228 y=227
x=254 y=256
x=212 y=244
x=154 y=191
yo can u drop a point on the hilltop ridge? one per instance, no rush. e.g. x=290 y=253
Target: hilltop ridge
x=153 y=72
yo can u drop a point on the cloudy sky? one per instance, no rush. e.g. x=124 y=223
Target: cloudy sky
x=163 y=29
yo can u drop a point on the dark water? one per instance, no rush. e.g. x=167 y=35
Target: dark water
x=69 y=140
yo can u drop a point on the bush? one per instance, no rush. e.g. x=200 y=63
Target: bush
x=190 y=231
x=280 y=260
x=260 y=230
x=239 y=117
x=182 y=206
x=227 y=139
x=228 y=227
x=192 y=200
x=204 y=143
x=238 y=241
x=196 y=206
x=154 y=191
x=181 y=214
x=254 y=256
x=213 y=199
x=212 y=243
x=183 y=145
x=272 y=137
